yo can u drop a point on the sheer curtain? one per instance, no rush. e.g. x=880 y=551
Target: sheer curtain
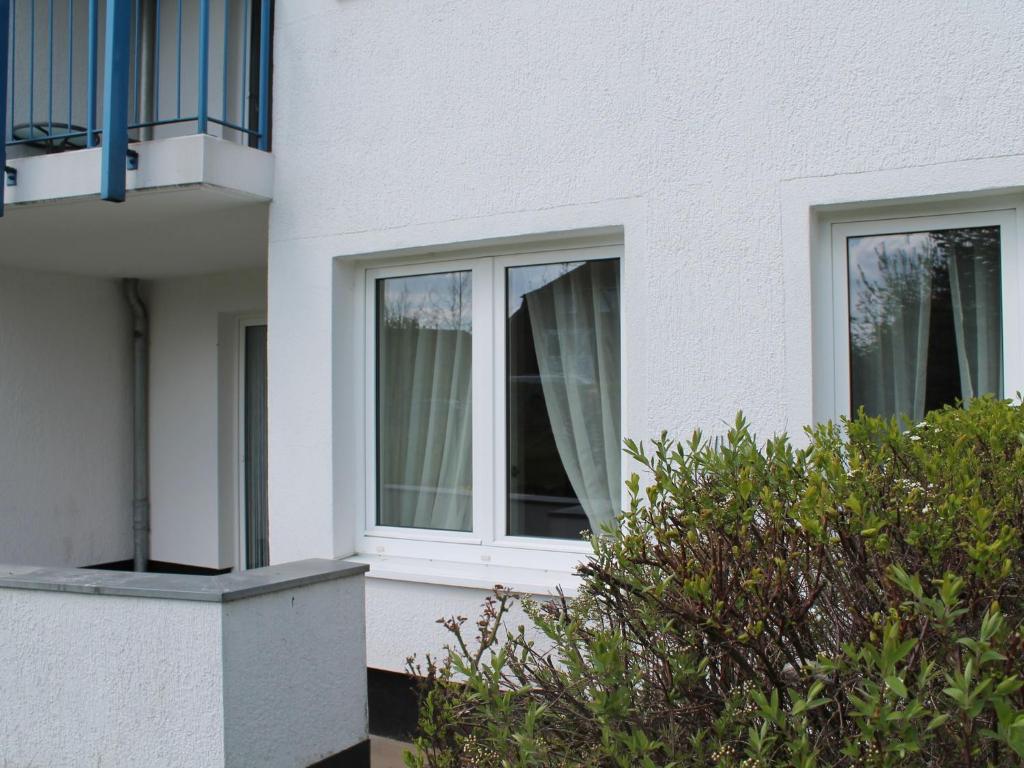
x=425 y=428
x=894 y=370
x=897 y=284
x=975 y=291
x=890 y=321
x=575 y=325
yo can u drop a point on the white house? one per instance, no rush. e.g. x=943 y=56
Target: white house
x=412 y=270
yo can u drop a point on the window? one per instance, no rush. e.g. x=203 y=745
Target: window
x=562 y=375
x=494 y=402
x=925 y=310
x=424 y=400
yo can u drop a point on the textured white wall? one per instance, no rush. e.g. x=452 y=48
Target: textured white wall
x=306 y=646
x=114 y=681
x=193 y=411
x=418 y=123
x=65 y=472
x=401 y=620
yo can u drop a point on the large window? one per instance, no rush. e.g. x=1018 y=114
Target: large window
x=494 y=385
x=925 y=311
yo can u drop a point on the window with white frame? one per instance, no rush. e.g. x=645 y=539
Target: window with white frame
x=493 y=400
x=925 y=311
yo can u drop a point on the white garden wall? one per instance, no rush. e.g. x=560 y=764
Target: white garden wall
x=264 y=669
x=705 y=132
x=65 y=457
x=143 y=683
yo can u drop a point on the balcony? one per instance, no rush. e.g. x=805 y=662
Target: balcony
x=162 y=105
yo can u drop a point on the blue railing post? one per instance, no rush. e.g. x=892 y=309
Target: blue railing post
x=115 y=100
x=204 y=65
x=5 y=30
x=264 y=116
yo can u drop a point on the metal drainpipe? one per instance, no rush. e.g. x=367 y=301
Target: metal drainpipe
x=147 y=67
x=140 y=421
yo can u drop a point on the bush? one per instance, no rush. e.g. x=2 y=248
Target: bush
x=854 y=602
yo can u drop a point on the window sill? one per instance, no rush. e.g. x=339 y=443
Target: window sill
x=485 y=576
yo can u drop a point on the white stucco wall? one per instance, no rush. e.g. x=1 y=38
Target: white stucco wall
x=706 y=131
x=401 y=620
x=104 y=680
x=65 y=472
x=307 y=646
x=193 y=412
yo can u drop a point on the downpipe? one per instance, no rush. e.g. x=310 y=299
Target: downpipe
x=140 y=424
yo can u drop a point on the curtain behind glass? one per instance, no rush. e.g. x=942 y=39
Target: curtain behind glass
x=257 y=526
x=575 y=325
x=925 y=319
x=977 y=317
x=424 y=379
x=890 y=313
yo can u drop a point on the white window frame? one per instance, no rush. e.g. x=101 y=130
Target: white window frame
x=1006 y=217
x=488 y=542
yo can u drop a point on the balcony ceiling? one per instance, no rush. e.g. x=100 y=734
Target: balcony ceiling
x=196 y=205
x=159 y=233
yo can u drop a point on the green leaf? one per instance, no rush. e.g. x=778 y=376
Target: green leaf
x=896 y=684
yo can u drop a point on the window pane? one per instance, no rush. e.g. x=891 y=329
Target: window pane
x=564 y=440
x=424 y=382
x=925 y=319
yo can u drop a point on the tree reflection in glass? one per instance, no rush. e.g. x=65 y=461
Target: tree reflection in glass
x=925 y=319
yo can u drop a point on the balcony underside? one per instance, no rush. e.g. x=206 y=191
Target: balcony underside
x=195 y=205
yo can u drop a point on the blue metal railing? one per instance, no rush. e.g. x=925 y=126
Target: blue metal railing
x=115 y=101
x=84 y=73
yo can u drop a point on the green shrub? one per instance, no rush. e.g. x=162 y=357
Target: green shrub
x=854 y=602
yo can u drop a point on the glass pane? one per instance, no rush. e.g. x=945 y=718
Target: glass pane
x=424 y=419
x=257 y=526
x=564 y=440
x=925 y=320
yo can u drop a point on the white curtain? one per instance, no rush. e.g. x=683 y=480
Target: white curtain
x=975 y=290
x=575 y=325
x=425 y=428
x=892 y=371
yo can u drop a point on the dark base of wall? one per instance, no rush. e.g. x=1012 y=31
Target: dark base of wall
x=393 y=704
x=353 y=757
x=159 y=566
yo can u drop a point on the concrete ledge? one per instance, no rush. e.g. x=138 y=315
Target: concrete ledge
x=223 y=588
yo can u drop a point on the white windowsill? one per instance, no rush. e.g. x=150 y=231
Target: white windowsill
x=448 y=573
